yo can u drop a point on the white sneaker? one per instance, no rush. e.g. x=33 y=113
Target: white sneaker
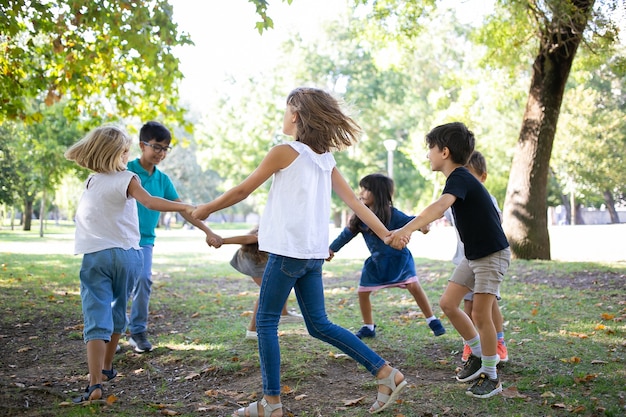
x=251 y=335
x=291 y=317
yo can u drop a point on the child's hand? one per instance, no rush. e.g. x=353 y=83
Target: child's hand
x=189 y=209
x=331 y=255
x=201 y=212
x=214 y=240
x=425 y=229
x=397 y=239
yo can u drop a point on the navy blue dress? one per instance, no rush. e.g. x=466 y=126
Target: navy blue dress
x=386 y=266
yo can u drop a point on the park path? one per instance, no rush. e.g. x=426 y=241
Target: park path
x=594 y=243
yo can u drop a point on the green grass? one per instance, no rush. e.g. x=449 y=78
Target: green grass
x=567 y=342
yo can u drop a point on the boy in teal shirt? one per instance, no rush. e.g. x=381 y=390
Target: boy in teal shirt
x=154 y=141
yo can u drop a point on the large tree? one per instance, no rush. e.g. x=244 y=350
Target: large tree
x=554 y=30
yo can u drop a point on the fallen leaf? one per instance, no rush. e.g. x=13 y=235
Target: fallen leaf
x=191 y=376
x=168 y=412
x=286 y=389
x=586 y=378
x=300 y=397
x=512 y=392
x=349 y=403
x=558 y=405
x=598 y=362
x=548 y=394
x=579 y=409
x=194 y=315
x=608 y=316
x=111 y=399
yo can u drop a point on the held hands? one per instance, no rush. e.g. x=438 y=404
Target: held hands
x=201 y=212
x=397 y=239
x=331 y=255
x=425 y=229
x=214 y=240
x=189 y=209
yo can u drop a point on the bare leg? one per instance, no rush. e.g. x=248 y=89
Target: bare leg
x=467 y=307
x=109 y=351
x=95 y=361
x=449 y=303
x=481 y=311
x=496 y=315
x=366 y=308
x=421 y=299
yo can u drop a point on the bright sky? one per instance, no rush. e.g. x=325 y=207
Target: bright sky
x=227 y=42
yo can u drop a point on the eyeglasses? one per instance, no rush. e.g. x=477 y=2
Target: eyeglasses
x=157 y=148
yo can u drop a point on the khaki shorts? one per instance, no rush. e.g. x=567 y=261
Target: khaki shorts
x=483 y=275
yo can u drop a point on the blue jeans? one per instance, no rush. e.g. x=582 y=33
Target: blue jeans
x=305 y=276
x=106 y=280
x=138 y=322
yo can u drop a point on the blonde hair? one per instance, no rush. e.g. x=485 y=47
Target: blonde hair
x=101 y=150
x=321 y=123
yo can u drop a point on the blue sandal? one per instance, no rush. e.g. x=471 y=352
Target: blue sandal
x=110 y=374
x=87 y=394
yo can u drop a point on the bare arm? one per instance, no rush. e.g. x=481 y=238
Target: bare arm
x=277 y=158
x=212 y=239
x=427 y=216
x=136 y=191
x=241 y=240
x=367 y=216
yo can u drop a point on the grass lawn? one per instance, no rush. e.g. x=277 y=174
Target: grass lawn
x=565 y=330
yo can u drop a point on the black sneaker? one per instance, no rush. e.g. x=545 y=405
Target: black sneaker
x=485 y=387
x=437 y=327
x=471 y=369
x=140 y=342
x=366 y=332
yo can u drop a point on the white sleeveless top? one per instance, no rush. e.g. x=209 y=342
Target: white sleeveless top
x=106 y=216
x=296 y=219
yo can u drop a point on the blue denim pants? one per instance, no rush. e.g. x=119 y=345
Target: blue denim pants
x=106 y=280
x=305 y=277
x=139 y=309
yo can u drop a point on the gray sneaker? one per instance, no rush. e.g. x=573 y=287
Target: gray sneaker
x=485 y=387
x=471 y=369
x=140 y=342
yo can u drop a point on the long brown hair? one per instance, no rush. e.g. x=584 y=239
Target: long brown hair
x=381 y=187
x=321 y=123
x=253 y=249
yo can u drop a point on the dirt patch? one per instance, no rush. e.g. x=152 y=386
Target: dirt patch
x=41 y=367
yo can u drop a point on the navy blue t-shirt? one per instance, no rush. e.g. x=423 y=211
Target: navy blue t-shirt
x=475 y=216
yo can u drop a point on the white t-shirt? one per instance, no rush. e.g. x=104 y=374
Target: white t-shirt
x=296 y=218
x=106 y=216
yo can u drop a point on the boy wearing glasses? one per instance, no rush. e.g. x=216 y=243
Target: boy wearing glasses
x=154 y=142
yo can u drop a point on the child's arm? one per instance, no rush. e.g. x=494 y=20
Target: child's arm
x=428 y=215
x=241 y=240
x=136 y=191
x=212 y=239
x=279 y=157
x=367 y=216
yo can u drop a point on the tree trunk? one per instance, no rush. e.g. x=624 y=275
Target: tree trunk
x=525 y=205
x=28 y=214
x=610 y=206
x=42 y=213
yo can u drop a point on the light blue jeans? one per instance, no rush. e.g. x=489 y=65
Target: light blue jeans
x=305 y=276
x=138 y=322
x=106 y=280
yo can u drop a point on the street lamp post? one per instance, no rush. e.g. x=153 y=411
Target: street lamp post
x=390 y=145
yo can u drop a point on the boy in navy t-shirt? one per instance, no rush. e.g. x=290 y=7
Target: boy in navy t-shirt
x=487 y=253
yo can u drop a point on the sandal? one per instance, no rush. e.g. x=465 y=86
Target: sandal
x=387 y=399
x=110 y=374
x=268 y=409
x=87 y=394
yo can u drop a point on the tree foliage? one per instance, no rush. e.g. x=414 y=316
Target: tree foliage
x=104 y=59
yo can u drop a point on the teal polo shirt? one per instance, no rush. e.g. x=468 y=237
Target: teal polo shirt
x=158 y=185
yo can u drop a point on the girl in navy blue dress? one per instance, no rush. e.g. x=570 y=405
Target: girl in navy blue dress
x=386 y=267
